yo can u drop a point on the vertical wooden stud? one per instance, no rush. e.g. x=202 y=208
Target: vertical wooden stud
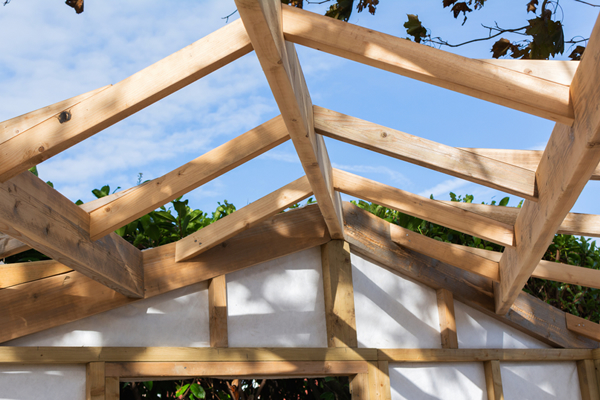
x=493 y=380
x=339 y=294
x=94 y=381
x=379 y=381
x=359 y=387
x=112 y=388
x=217 y=303
x=445 y=303
x=588 y=384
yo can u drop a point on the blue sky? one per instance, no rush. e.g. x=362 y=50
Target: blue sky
x=49 y=54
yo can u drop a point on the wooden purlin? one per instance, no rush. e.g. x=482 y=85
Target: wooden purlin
x=19 y=273
x=279 y=61
x=109 y=106
x=475 y=78
x=570 y=158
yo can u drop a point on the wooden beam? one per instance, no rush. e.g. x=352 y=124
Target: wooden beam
x=379 y=380
x=339 y=294
x=138 y=201
x=493 y=380
x=36 y=214
x=238 y=369
x=583 y=327
x=558 y=71
x=245 y=218
x=470 y=355
x=217 y=311
x=421 y=207
x=370 y=237
x=84 y=355
x=570 y=158
x=475 y=78
x=18 y=273
x=573 y=224
x=445 y=303
x=586 y=371
x=279 y=61
x=107 y=107
x=359 y=387
x=95 y=381
x=112 y=388
x=10 y=246
x=14 y=126
x=426 y=153
x=50 y=302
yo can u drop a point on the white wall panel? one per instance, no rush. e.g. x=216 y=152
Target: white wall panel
x=178 y=318
x=432 y=381
x=391 y=311
x=540 y=381
x=278 y=303
x=47 y=382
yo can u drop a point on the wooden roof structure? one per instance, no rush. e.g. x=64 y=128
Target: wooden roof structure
x=95 y=270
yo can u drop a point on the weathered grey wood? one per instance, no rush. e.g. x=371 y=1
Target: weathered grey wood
x=10 y=246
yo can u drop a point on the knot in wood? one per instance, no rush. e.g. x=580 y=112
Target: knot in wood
x=64 y=117
x=384 y=134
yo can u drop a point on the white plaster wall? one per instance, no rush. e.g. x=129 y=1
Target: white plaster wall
x=178 y=318
x=393 y=312
x=429 y=381
x=475 y=330
x=64 y=382
x=278 y=303
x=540 y=381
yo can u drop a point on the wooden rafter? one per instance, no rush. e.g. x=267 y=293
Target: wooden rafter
x=109 y=106
x=558 y=71
x=426 y=153
x=111 y=213
x=36 y=214
x=475 y=78
x=570 y=158
x=279 y=61
x=10 y=246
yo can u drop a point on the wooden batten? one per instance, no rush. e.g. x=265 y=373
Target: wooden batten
x=339 y=294
x=470 y=355
x=475 y=78
x=445 y=303
x=279 y=61
x=588 y=383
x=493 y=380
x=217 y=311
x=95 y=388
x=245 y=218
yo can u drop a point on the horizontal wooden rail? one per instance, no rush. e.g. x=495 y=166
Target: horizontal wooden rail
x=475 y=78
x=469 y=355
x=18 y=273
x=426 y=153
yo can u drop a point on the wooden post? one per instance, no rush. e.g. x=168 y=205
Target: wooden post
x=359 y=387
x=94 y=382
x=217 y=303
x=379 y=381
x=445 y=302
x=588 y=384
x=339 y=294
x=113 y=388
x=493 y=380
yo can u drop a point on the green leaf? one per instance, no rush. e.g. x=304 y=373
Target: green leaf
x=149 y=385
x=181 y=390
x=504 y=201
x=198 y=391
x=415 y=28
x=34 y=170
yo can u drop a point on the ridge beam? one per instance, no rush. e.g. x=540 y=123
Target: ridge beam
x=279 y=61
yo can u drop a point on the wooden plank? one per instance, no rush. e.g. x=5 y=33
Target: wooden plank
x=445 y=303
x=369 y=236
x=379 y=380
x=18 y=273
x=112 y=388
x=36 y=214
x=588 y=383
x=339 y=294
x=10 y=246
x=14 y=126
x=426 y=153
x=445 y=252
x=142 y=199
x=570 y=158
x=245 y=218
x=471 y=355
x=239 y=369
x=421 y=207
x=90 y=116
x=583 y=327
x=217 y=311
x=279 y=61
x=475 y=78
x=493 y=380
x=84 y=355
x=573 y=224
x=50 y=302
x=94 y=381
x=558 y=71
x=359 y=387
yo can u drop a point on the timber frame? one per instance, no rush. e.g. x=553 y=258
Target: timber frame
x=96 y=266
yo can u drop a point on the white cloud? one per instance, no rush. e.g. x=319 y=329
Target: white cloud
x=442 y=189
x=395 y=176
